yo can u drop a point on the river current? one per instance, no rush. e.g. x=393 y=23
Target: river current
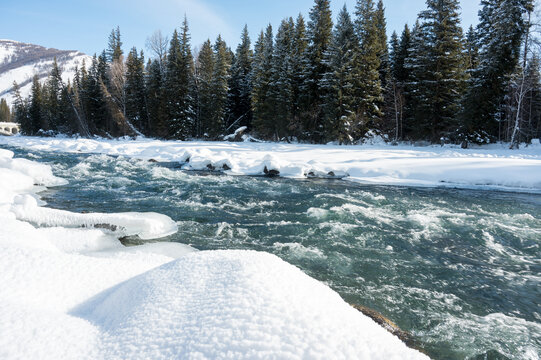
x=458 y=269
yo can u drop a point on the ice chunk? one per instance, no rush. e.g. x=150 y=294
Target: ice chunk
x=145 y=225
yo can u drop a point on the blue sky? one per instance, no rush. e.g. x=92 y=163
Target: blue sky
x=85 y=25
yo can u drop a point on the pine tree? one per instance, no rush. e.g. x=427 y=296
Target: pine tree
x=339 y=82
x=367 y=68
x=54 y=111
x=532 y=105
x=383 y=49
x=114 y=50
x=261 y=79
x=280 y=91
x=399 y=76
x=136 y=109
x=499 y=35
x=319 y=36
x=21 y=111
x=205 y=107
x=35 y=111
x=298 y=68
x=471 y=50
x=240 y=93
x=156 y=100
x=439 y=71
x=220 y=87
x=92 y=97
x=180 y=85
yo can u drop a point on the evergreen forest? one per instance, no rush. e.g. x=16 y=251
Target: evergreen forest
x=325 y=78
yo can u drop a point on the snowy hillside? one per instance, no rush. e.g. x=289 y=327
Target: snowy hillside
x=20 y=62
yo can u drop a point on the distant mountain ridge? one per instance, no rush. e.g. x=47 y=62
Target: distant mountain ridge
x=20 y=62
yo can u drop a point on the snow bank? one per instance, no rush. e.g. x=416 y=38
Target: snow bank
x=242 y=305
x=70 y=290
x=492 y=167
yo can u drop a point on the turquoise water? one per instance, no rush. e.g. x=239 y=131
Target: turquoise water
x=459 y=269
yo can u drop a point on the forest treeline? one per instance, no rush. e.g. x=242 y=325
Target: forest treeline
x=314 y=81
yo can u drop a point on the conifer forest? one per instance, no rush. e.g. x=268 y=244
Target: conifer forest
x=327 y=78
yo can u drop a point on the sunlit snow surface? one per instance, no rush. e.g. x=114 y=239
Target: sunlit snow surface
x=494 y=168
x=69 y=290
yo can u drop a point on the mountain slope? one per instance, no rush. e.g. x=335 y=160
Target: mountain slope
x=20 y=62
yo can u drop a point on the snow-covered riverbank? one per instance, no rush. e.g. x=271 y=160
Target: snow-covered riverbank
x=70 y=290
x=487 y=167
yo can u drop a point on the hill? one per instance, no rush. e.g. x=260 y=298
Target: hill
x=20 y=62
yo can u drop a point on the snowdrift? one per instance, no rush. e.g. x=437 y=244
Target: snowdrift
x=70 y=290
x=489 y=167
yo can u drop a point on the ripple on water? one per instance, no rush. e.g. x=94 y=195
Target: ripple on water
x=459 y=269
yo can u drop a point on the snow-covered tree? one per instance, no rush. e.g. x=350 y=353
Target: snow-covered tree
x=205 y=104
x=438 y=67
x=280 y=92
x=240 y=89
x=319 y=34
x=339 y=83
x=220 y=87
x=136 y=102
x=298 y=69
x=261 y=79
x=369 y=92
x=499 y=34
x=180 y=85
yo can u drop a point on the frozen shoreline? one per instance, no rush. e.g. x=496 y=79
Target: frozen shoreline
x=490 y=167
x=70 y=290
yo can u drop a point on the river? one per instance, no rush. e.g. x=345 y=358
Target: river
x=458 y=269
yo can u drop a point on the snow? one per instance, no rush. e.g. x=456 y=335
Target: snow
x=146 y=226
x=487 y=167
x=70 y=290
x=11 y=51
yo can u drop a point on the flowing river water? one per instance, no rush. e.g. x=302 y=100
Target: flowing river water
x=458 y=269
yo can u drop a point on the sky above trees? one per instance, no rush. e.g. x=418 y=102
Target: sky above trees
x=85 y=25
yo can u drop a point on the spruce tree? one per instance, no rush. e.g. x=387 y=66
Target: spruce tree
x=499 y=34
x=21 y=111
x=280 y=92
x=399 y=77
x=383 y=49
x=339 y=83
x=298 y=68
x=136 y=109
x=205 y=103
x=261 y=79
x=180 y=85
x=156 y=99
x=319 y=36
x=439 y=71
x=471 y=50
x=92 y=97
x=114 y=49
x=220 y=87
x=369 y=92
x=240 y=89
x=35 y=111
x=56 y=117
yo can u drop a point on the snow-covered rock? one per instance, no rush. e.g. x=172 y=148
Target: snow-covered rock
x=20 y=62
x=487 y=167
